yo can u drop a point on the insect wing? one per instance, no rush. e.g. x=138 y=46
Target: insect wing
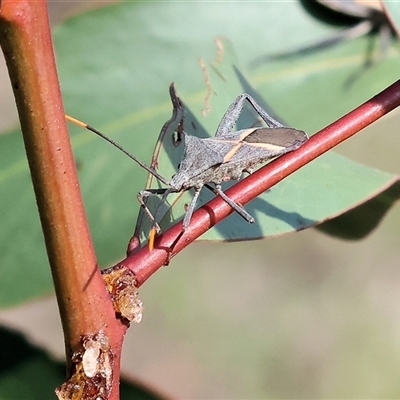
x=288 y=138
x=264 y=143
x=276 y=141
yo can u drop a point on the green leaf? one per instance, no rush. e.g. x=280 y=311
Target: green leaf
x=115 y=65
x=27 y=372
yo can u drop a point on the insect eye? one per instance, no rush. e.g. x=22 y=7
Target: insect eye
x=177 y=137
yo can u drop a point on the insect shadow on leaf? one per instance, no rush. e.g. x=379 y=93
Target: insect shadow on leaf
x=207 y=162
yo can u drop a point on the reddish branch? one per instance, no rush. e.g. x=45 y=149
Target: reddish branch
x=84 y=303
x=144 y=262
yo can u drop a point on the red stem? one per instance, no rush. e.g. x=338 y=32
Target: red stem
x=144 y=263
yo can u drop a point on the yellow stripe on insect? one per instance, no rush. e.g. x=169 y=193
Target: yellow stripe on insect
x=246 y=133
x=232 y=152
x=267 y=146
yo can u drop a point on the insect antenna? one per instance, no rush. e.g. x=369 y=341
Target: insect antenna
x=118 y=146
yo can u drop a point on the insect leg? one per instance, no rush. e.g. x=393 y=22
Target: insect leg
x=189 y=211
x=239 y=209
x=232 y=114
x=271 y=122
x=146 y=193
x=155 y=228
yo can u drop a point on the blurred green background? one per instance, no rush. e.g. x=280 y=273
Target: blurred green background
x=298 y=316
